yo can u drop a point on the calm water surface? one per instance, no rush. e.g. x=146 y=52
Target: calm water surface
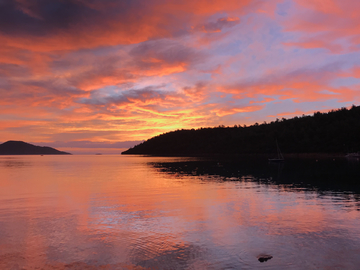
x=128 y=212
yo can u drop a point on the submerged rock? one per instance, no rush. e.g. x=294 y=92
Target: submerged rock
x=264 y=257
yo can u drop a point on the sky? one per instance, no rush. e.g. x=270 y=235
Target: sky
x=89 y=76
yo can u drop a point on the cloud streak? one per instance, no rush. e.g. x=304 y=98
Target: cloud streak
x=112 y=71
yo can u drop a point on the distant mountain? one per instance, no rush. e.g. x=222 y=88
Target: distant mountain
x=23 y=148
x=337 y=131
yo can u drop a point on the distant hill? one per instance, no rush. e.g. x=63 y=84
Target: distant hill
x=23 y=148
x=337 y=131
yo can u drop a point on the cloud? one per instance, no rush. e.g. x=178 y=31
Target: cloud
x=152 y=53
x=213 y=27
x=230 y=110
x=146 y=96
x=13 y=70
x=301 y=85
x=39 y=17
x=127 y=70
x=73 y=24
x=39 y=93
x=197 y=93
x=116 y=66
x=331 y=26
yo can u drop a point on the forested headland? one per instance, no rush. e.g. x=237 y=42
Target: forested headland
x=337 y=131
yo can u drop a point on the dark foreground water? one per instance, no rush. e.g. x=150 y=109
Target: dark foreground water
x=124 y=212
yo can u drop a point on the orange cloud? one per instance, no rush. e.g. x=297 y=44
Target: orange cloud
x=233 y=110
x=113 y=70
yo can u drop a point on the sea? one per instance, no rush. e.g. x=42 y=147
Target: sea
x=141 y=212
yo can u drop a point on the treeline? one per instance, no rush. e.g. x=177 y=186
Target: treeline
x=337 y=131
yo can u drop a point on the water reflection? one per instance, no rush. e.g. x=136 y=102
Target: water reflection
x=336 y=177
x=115 y=212
x=12 y=162
x=150 y=254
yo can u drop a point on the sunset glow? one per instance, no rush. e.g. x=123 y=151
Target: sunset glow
x=101 y=76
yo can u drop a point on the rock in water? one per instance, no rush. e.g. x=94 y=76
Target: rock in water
x=264 y=257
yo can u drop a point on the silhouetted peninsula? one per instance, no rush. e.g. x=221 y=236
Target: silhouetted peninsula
x=337 y=131
x=23 y=148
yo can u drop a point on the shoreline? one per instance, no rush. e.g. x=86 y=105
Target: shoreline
x=252 y=155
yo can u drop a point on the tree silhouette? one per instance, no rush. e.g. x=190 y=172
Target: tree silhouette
x=337 y=131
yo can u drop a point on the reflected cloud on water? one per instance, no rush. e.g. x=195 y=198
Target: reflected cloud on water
x=178 y=213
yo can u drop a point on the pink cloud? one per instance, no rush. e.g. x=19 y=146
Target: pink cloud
x=215 y=27
x=331 y=24
x=115 y=70
x=87 y=25
x=303 y=85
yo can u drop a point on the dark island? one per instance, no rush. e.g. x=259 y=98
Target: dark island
x=335 y=132
x=23 y=148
